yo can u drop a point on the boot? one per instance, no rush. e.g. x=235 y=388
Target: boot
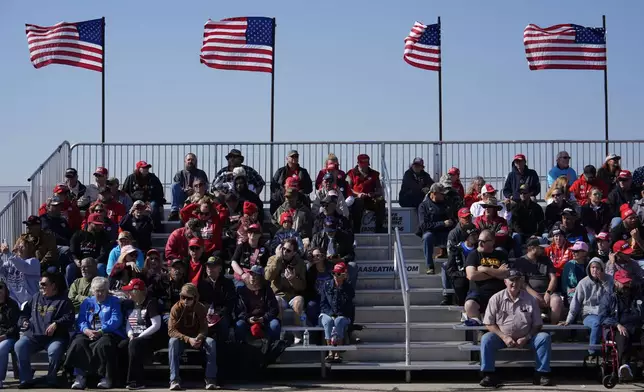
x=447 y=300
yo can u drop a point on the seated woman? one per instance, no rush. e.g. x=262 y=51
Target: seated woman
x=144 y=332
x=155 y=277
x=561 y=183
x=146 y=187
x=46 y=320
x=9 y=314
x=100 y=322
x=20 y=270
x=125 y=239
x=585 y=302
x=257 y=310
x=131 y=257
x=139 y=223
x=318 y=272
x=212 y=216
x=336 y=307
x=249 y=253
x=120 y=277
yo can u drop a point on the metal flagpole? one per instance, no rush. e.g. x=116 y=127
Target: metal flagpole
x=440 y=86
x=605 y=86
x=273 y=87
x=103 y=99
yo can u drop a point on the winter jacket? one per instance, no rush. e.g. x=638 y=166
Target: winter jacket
x=146 y=189
x=577 y=233
x=340 y=181
x=115 y=211
x=633 y=268
x=588 y=295
x=581 y=189
x=185 y=177
x=68 y=210
x=497 y=225
x=264 y=298
x=253 y=177
x=528 y=218
x=619 y=196
x=187 y=323
x=278 y=181
x=9 y=315
x=59 y=227
x=79 y=195
x=609 y=178
x=616 y=308
x=218 y=295
x=470 y=199
x=559 y=256
x=553 y=214
x=596 y=218
x=367 y=183
x=106 y=317
x=141 y=230
x=341 y=205
x=342 y=244
x=638 y=207
x=315 y=281
x=343 y=223
x=79 y=290
x=455 y=237
x=337 y=301
x=515 y=179
x=88 y=244
x=286 y=288
x=432 y=217
x=46 y=249
x=177 y=245
x=283 y=234
x=212 y=232
x=110 y=228
x=302 y=219
x=455 y=265
x=41 y=311
x=458 y=187
x=21 y=276
x=572 y=274
x=411 y=194
x=114 y=256
x=477 y=210
x=557 y=172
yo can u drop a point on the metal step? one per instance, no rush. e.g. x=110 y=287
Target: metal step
x=419 y=332
x=382 y=253
x=394 y=314
x=418 y=296
x=395 y=351
x=389 y=280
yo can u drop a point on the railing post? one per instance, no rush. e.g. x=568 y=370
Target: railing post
x=438 y=161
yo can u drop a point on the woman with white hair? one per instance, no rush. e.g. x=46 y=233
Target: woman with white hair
x=94 y=350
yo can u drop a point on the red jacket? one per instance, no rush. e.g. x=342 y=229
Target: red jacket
x=189 y=211
x=498 y=225
x=177 y=245
x=70 y=211
x=559 y=256
x=115 y=212
x=458 y=187
x=212 y=232
x=366 y=184
x=471 y=199
x=581 y=189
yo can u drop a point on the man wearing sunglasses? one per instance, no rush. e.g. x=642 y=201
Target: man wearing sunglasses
x=562 y=168
x=182 y=186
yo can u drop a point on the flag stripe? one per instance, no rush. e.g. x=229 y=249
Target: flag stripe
x=422 y=47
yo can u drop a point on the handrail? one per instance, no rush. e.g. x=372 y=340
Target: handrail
x=401 y=266
x=49 y=158
x=12 y=216
x=386 y=184
x=48 y=174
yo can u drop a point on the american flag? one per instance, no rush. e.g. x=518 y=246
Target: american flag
x=423 y=46
x=77 y=44
x=565 y=46
x=242 y=44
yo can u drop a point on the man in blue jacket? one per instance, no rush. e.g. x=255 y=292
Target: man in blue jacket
x=434 y=223
x=520 y=175
x=562 y=168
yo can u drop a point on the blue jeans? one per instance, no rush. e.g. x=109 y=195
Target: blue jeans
x=340 y=323
x=25 y=347
x=447 y=283
x=178 y=197
x=242 y=330
x=72 y=272
x=5 y=348
x=615 y=222
x=491 y=343
x=175 y=349
x=312 y=312
x=517 y=238
x=429 y=241
x=592 y=321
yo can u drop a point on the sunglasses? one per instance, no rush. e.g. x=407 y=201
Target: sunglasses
x=198 y=185
x=187 y=298
x=556 y=194
x=485 y=241
x=288 y=250
x=98 y=175
x=194 y=248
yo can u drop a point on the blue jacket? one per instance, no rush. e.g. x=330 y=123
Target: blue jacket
x=106 y=317
x=41 y=311
x=114 y=256
x=516 y=179
x=556 y=172
x=337 y=301
x=616 y=309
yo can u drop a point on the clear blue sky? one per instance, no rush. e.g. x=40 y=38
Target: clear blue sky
x=339 y=76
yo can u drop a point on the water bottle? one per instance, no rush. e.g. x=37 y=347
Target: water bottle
x=305 y=335
x=334 y=337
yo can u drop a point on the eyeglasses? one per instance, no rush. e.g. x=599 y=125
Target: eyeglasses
x=288 y=250
x=99 y=210
x=187 y=298
x=197 y=185
x=194 y=248
x=485 y=241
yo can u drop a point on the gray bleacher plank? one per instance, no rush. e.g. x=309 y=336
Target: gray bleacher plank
x=322 y=348
x=571 y=327
x=554 y=347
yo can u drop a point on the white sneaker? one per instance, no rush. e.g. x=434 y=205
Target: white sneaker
x=79 y=383
x=297 y=340
x=175 y=386
x=625 y=373
x=211 y=385
x=105 y=383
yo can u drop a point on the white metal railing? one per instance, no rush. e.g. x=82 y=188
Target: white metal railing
x=386 y=184
x=400 y=266
x=48 y=174
x=12 y=216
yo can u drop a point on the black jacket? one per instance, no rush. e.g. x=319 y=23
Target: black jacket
x=219 y=295
x=59 y=228
x=598 y=220
x=515 y=179
x=185 y=178
x=342 y=241
x=269 y=309
x=432 y=217
x=553 y=214
x=141 y=230
x=277 y=186
x=527 y=219
x=41 y=311
x=9 y=315
x=343 y=223
x=618 y=196
x=85 y=244
x=411 y=194
x=618 y=309
x=144 y=188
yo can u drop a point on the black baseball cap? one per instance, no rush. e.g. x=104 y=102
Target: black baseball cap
x=71 y=172
x=32 y=220
x=590 y=170
x=215 y=259
x=532 y=242
x=515 y=274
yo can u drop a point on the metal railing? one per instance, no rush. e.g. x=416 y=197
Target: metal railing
x=490 y=159
x=386 y=184
x=400 y=267
x=48 y=174
x=12 y=216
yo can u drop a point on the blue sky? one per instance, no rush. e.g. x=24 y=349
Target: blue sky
x=339 y=76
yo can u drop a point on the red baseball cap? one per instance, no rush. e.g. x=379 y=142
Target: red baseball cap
x=142 y=164
x=622 y=247
x=254 y=228
x=135 y=284
x=625 y=174
x=340 y=268
x=627 y=212
x=101 y=171
x=488 y=188
x=519 y=157
x=249 y=208
x=604 y=236
x=454 y=171
x=292 y=182
x=622 y=276
x=195 y=241
x=464 y=213
x=363 y=160
x=153 y=252
x=61 y=188
x=286 y=216
x=96 y=219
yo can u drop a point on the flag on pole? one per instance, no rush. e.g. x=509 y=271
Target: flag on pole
x=242 y=44
x=565 y=46
x=77 y=44
x=423 y=47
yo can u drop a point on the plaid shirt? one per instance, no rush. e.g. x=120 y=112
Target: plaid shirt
x=253 y=177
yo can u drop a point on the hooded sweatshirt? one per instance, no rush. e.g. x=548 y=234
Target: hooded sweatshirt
x=41 y=312
x=588 y=294
x=21 y=276
x=515 y=179
x=187 y=323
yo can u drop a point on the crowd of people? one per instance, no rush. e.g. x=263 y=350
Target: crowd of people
x=579 y=259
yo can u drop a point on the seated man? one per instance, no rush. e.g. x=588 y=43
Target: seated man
x=257 y=309
x=329 y=207
x=139 y=224
x=78 y=191
x=513 y=320
x=188 y=327
x=457 y=235
x=491 y=220
x=415 y=184
x=235 y=160
x=79 y=291
x=453 y=271
x=521 y=174
x=177 y=245
x=286 y=272
x=292 y=169
x=54 y=222
x=528 y=220
x=217 y=293
x=571 y=227
x=92 y=242
x=47 y=320
x=603 y=247
x=365 y=185
x=488 y=192
x=68 y=208
x=330 y=189
x=44 y=244
x=337 y=245
x=182 y=187
x=585 y=302
x=145 y=186
x=119 y=195
x=630 y=229
x=621 y=259
x=434 y=223
x=541 y=279
x=626 y=192
x=485 y=268
x=302 y=217
x=621 y=310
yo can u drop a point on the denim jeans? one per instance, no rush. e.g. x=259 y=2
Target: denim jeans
x=72 y=272
x=340 y=323
x=491 y=343
x=312 y=312
x=517 y=238
x=178 y=197
x=175 y=349
x=5 y=348
x=447 y=283
x=26 y=346
x=242 y=330
x=592 y=321
x=429 y=241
